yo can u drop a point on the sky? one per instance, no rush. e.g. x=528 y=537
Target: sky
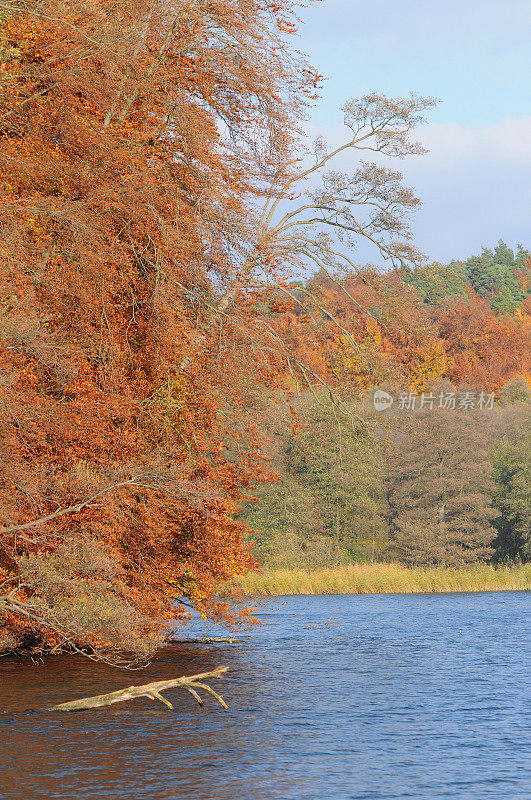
x=474 y=56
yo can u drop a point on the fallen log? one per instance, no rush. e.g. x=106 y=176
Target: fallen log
x=151 y=690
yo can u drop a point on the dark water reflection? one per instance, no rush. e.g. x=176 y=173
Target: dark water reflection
x=369 y=697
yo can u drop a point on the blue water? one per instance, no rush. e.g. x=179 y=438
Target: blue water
x=370 y=697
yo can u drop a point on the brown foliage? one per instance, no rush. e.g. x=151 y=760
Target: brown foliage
x=439 y=489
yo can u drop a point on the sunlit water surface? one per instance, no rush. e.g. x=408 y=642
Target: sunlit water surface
x=366 y=697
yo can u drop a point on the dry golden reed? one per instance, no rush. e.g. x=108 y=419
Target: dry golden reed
x=385 y=579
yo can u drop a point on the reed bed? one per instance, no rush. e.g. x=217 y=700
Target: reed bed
x=385 y=579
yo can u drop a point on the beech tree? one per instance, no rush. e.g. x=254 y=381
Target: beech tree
x=368 y=201
x=484 y=349
x=133 y=139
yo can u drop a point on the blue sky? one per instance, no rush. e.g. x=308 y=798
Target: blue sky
x=474 y=56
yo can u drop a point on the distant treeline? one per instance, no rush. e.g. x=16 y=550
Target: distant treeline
x=421 y=487
x=441 y=477
x=499 y=276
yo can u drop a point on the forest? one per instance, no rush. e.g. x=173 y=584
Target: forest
x=441 y=476
x=189 y=349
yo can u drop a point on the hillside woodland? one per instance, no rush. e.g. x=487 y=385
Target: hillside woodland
x=442 y=476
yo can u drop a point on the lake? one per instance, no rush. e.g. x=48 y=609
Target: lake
x=365 y=697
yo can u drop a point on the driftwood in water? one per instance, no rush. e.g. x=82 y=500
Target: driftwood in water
x=151 y=690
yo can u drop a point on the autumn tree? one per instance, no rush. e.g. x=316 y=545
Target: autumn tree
x=135 y=141
x=148 y=153
x=483 y=349
x=361 y=330
x=368 y=201
x=439 y=489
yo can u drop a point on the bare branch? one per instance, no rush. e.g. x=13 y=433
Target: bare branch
x=73 y=508
x=150 y=690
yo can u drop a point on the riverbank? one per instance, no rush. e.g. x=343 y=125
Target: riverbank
x=385 y=579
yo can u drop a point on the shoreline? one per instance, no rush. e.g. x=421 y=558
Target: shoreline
x=384 y=579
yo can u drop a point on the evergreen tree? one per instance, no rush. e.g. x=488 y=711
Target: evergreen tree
x=500 y=276
x=495 y=275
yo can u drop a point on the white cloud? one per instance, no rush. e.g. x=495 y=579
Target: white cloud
x=507 y=142
x=449 y=144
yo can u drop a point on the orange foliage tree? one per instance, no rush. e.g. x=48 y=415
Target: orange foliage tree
x=372 y=329
x=135 y=141
x=484 y=349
